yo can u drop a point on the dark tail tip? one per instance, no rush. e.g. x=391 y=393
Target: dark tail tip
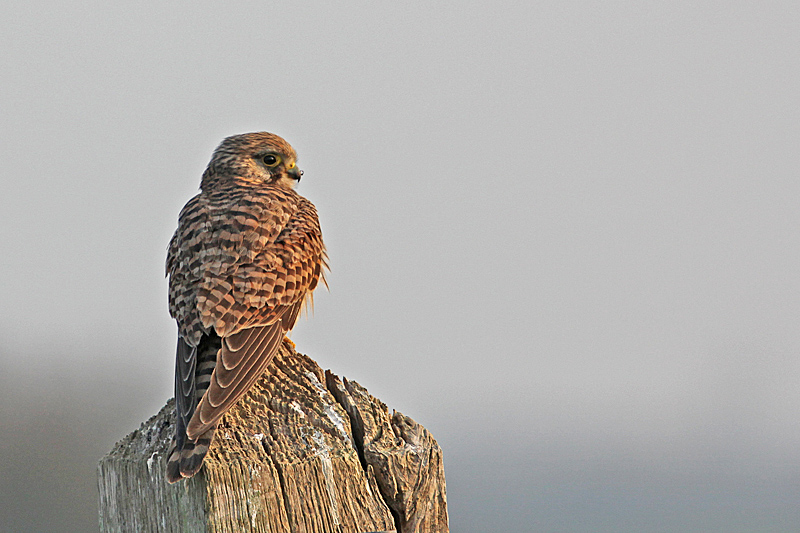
x=187 y=461
x=174 y=464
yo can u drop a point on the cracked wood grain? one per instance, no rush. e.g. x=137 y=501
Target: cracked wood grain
x=303 y=452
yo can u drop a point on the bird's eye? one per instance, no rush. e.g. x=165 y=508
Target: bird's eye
x=271 y=160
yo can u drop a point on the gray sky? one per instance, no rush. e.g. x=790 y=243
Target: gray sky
x=563 y=237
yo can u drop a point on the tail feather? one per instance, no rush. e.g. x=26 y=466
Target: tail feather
x=193 y=371
x=184 y=462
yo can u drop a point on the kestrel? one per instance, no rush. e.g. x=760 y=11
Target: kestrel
x=244 y=260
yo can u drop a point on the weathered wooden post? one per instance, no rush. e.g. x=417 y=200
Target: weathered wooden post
x=303 y=452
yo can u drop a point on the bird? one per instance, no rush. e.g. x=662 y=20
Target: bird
x=243 y=262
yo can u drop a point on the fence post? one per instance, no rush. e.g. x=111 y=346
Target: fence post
x=303 y=452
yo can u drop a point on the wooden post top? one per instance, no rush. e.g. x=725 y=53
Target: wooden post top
x=302 y=451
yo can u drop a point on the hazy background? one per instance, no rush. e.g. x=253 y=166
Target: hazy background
x=563 y=237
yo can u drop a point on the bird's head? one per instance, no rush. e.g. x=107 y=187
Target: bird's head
x=259 y=157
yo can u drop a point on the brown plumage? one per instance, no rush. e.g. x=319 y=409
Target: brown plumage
x=244 y=260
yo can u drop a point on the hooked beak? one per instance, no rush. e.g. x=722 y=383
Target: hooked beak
x=295 y=173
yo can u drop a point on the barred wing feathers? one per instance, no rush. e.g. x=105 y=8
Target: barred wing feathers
x=241 y=264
